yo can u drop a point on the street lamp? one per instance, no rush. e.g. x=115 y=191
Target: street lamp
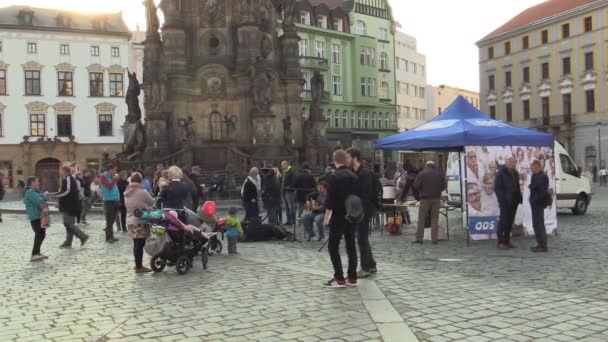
x=599 y=144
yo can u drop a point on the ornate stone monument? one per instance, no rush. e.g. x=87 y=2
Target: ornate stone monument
x=221 y=87
x=317 y=151
x=134 y=131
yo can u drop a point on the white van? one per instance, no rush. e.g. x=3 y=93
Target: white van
x=573 y=190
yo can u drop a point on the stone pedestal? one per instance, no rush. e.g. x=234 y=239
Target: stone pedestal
x=316 y=151
x=264 y=128
x=156 y=134
x=289 y=51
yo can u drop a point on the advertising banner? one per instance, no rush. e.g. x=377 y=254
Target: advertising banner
x=482 y=164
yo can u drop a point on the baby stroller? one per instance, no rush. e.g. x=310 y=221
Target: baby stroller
x=173 y=242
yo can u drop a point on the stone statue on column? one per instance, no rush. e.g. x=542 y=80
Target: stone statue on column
x=317 y=90
x=134 y=131
x=261 y=85
x=290 y=13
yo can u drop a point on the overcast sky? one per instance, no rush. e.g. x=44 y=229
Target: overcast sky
x=446 y=30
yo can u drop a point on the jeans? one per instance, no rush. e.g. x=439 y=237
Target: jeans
x=538 y=223
x=86 y=205
x=138 y=251
x=232 y=240
x=425 y=205
x=507 y=217
x=340 y=227
x=110 y=209
x=121 y=217
x=308 y=219
x=69 y=222
x=290 y=207
x=367 y=257
x=39 y=235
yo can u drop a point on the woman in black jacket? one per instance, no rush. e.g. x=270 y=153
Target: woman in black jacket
x=249 y=192
x=271 y=196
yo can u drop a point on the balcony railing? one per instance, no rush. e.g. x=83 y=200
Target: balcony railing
x=551 y=121
x=314 y=62
x=307 y=95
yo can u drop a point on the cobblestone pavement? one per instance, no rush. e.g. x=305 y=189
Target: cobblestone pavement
x=272 y=292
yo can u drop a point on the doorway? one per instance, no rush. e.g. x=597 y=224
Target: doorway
x=47 y=171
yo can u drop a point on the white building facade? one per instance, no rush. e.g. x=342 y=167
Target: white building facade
x=411 y=85
x=63 y=79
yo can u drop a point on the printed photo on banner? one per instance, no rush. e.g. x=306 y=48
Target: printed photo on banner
x=482 y=164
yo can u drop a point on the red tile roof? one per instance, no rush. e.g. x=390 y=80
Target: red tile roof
x=539 y=12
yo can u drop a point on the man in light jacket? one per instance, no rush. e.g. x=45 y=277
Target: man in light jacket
x=70 y=207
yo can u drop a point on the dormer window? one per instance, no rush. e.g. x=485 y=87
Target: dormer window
x=26 y=17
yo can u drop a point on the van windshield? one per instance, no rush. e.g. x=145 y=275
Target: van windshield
x=568 y=166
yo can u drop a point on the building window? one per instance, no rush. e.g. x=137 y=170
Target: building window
x=590 y=97
x=2 y=82
x=336 y=54
x=545 y=107
x=64 y=49
x=387 y=121
x=507 y=48
x=567 y=103
x=383 y=34
x=363 y=86
x=65 y=83
x=525 y=43
x=588 y=24
x=545 y=71
x=493 y=112
x=115 y=51
x=508 y=79
x=352 y=119
x=361 y=28
x=337 y=119
x=345 y=119
x=37 y=125
x=94 y=50
x=421 y=92
x=303 y=47
x=105 y=125
x=588 y=61
x=509 y=110
x=491 y=52
x=384 y=90
x=216 y=124
x=491 y=82
x=383 y=61
x=526 y=107
x=526 y=74
x=366 y=122
x=32 y=48
x=96 y=84
x=414 y=68
x=116 y=85
x=565 y=31
x=367 y=56
x=32 y=82
x=544 y=37
x=339 y=25
x=566 y=65
x=373 y=120
x=337 y=82
x=322 y=21
x=407 y=89
x=64 y=125
x=304 y=17
x=306 y=77
x=360 y=120
x=320 y=49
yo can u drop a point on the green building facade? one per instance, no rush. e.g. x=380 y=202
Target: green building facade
x=352 y=45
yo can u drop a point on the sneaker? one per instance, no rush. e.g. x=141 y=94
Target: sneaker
x=43 y=256
x=65 y=245
x=143 y=270
x=351 y=282
x=335 y=284
x=362 y=274
x=36 y=257
x=373 y=270
x=84 y=240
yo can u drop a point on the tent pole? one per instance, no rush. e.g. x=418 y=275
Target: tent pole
x=464 y=199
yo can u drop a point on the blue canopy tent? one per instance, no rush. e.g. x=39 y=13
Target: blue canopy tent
x=462 y=125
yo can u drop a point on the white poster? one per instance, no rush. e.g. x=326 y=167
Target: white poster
x=482 y=164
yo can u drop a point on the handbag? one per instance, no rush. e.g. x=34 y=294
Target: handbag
x=45 y=217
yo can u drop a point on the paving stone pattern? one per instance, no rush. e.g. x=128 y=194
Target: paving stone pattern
x=272 y=292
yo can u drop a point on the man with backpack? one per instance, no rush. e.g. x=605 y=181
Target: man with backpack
x=429 y=185
x=342 y=191
x=365 y=191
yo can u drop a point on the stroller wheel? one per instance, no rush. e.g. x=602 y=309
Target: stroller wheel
x=204 y=258
x=183 y=264
x=157 y=264
x=218 y=246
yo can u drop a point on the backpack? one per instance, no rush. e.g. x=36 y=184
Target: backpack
x=354 y=209
x=377 y=193
x=392 y=228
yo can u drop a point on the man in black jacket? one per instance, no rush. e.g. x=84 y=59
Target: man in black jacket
x=288 y=182
x=305 y=185
x=365 y=191
x=508 y=192
x=69 y=205
x=342 y=184
x=539 y=200
x=429 y=185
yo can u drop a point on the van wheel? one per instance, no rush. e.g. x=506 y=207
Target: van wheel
x=580 y=206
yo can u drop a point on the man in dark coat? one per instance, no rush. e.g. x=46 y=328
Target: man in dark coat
x=508 y=193
x=305 y=185
x=429 y=186
x=271 y=196
x=539 y=200
x=70 y=207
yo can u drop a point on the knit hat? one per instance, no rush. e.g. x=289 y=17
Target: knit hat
x=232 y=211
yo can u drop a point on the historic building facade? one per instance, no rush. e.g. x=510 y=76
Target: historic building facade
x=546 y=69
x=351 y=44
x=441 y=97
x=410 y=67
x=62 y=82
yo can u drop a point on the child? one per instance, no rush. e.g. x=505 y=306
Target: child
x=233 y=231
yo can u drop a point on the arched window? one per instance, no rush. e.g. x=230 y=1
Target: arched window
x=337 y=119
x=360 y=120
x=361 y=28
x=216 y=126
x=374 y=120
x=305 y=112
x=344 y=119
x=366 y=120
x=383 y=61
x=380 y=121
x=384 y=90
x=352 y=119
x=387 y=121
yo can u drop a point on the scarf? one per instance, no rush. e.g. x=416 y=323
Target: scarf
x=252 y=180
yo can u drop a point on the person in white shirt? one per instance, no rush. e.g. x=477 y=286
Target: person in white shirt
x=474 y=199
x=475 y=170
x=603 y=173
x=489 y=201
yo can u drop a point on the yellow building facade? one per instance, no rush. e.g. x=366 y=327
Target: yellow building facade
x=546 y=69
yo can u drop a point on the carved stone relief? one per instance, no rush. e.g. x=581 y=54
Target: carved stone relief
x=65 y=67
x=213 y=13
x=37 y=107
